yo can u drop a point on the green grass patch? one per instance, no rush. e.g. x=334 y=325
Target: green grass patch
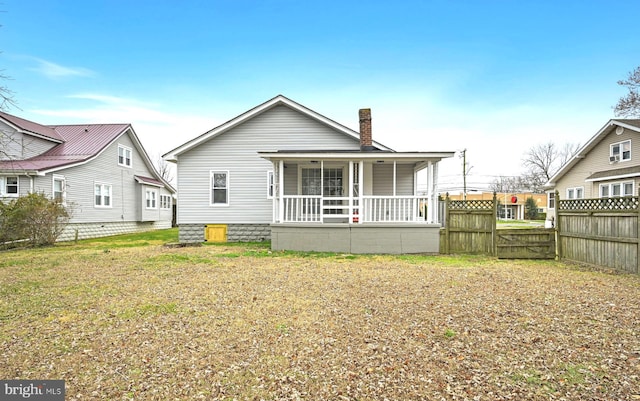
x=146 y=238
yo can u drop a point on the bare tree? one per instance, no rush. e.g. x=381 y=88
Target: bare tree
x=504 y=184
x=543 y=161
x=6 y=95
x=629 y=105
x=165 y=169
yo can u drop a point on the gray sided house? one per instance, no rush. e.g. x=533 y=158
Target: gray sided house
x=100 y=172
x=607 y=166
x=284 y=173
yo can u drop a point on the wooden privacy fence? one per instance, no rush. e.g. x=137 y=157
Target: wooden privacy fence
x=528 y=243
x=470 y=226
x=601 y=232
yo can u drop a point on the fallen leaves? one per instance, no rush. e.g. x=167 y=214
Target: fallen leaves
x=189 y=323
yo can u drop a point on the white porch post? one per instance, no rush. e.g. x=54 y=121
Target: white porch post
x=351 y=184
x=361 y=210
x=280 y=217
x=432 y=211
x=321 y=191
x=394 y=178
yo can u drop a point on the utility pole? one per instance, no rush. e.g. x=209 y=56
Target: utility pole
x=464 y=174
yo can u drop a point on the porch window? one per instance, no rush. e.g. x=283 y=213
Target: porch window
x=311 y=181
x=327 y=183
x=220 y=188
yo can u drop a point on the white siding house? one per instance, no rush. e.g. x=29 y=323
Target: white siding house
x=100 y=172
x=608 y=165
x=281 y=171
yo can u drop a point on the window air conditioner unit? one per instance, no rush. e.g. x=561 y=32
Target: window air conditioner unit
x=615 y=158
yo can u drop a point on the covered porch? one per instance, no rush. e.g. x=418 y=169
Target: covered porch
x=355 y=201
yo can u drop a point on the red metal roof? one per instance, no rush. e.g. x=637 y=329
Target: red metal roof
x=148 y=180
x=79 y=143
x=32 y=127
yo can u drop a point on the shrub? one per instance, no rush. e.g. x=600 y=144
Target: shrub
x=33 y=220
x=531 y=208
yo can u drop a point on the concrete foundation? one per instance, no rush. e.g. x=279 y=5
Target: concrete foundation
x=95 y=230
x=391 y=238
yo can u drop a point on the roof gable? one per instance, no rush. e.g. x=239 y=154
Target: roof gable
x=276 y=101
x=31 y=128
x=81 y=143
x=631 y=124
x=78 y=144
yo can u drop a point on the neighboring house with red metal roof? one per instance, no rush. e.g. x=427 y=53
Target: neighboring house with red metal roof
x=100 y=171
x=608 y=165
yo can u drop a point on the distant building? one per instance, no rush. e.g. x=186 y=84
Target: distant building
x=511 y=205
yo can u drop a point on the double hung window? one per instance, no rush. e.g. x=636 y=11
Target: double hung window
x=219 y=181
x=102 y=195
x=124 y=156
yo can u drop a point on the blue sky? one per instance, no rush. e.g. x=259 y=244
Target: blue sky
x=494 y=77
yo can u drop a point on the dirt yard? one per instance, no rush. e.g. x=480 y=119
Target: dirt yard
x=242 y=323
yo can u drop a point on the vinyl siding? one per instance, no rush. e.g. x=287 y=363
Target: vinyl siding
x=125 y=191
x=17 y=146
x=279 y=128
x=598 y=160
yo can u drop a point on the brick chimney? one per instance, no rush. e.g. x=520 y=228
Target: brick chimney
x=366 y=141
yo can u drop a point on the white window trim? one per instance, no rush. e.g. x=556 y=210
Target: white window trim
x=165 y=202
x=102 y=205
x=575 y=191
x=153 y=198
x=211 y=173
x=271 y=185
x=126 y=150
x=551 y=197
x=622 y=184
x=621 y=154
x=64 y=188
x=3 y=187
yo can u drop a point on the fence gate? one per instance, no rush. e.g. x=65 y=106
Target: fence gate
x=526 y=244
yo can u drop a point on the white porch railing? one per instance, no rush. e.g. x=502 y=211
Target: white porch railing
x=375 y=209
x=394 y=209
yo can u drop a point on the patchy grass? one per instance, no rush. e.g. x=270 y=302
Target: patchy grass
x=237 y=321
x=500 y=223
